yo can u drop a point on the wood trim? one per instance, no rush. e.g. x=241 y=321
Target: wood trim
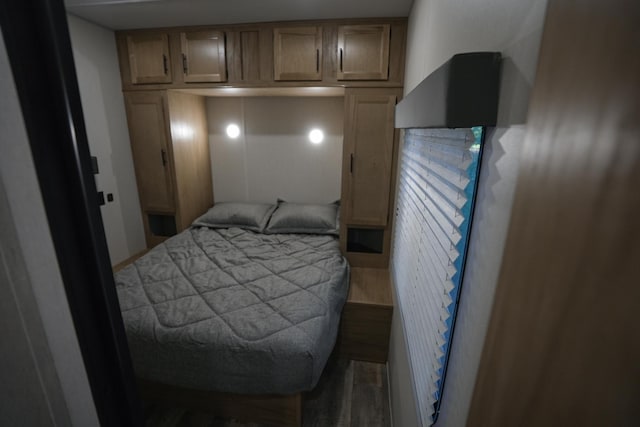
x=187 y=122
x=371 y=286
x=267 y=81
x=276 y=410
x=563 y=343
x=130 y=260
x=304 y=23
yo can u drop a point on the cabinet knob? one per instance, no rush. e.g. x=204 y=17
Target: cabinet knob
x=340 y=59
x=164 y=64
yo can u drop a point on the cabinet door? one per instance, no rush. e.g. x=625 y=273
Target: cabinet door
x=297 y=53
x=369 y=138
x=151 y=157
x=203 y=56
x=363 y=52
x=246 y=56
x=149 y=58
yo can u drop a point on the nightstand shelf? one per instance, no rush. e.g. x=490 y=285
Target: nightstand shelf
x=366 y=318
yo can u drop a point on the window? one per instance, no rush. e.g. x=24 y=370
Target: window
x=437 y=185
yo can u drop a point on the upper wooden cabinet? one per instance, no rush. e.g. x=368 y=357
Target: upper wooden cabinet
x=246 y=57
x=363 y=52
x=297 y=53
x=149 y=60
x=359 y=53
x=203 y=56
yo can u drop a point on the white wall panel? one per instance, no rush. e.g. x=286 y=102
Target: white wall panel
x=96 y=61
x=273 y=157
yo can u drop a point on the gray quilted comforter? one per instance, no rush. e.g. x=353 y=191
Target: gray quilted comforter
x=234 y=311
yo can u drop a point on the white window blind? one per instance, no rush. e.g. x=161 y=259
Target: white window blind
x=437 y=183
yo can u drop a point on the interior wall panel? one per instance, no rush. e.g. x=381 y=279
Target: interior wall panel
x=273 y=157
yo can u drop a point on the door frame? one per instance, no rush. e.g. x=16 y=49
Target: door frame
x=38 y=45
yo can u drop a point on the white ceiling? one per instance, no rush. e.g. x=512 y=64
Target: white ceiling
x=128 y=14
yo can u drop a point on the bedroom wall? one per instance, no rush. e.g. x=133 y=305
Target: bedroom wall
x=273 y=157
x=438 y=29
x=96 y=61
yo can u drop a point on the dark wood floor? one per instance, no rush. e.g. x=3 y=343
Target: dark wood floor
x=349 y=394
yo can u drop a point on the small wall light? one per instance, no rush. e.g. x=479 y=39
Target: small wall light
x=316 y=136
x=233 y=131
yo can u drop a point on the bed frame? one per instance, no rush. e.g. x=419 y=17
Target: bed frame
x=272 y=409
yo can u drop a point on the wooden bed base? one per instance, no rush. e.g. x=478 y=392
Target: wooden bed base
x=277 y=410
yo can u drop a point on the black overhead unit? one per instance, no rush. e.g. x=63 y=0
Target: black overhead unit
x=461 y=93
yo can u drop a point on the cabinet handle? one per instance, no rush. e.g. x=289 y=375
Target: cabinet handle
x=351 y=163
x=185 y=68
x=164 y=64
x=340 y=59
x=163 y=153
x=317 y=60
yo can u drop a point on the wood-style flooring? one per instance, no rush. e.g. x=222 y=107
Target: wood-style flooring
x=349 y=394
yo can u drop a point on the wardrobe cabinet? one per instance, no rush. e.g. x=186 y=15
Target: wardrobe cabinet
x=297 y=53
x=203 y=56
x=363 y=52
x=168 y=134
x=369 y=157
x=369 y=143
x=148 y=57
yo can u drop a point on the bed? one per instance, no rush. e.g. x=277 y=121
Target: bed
x=246 y=301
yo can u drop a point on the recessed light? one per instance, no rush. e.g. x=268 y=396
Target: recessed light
x=233 y=131
x=316 y=136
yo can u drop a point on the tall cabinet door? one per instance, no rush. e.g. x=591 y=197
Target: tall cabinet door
x=149 y=59
x=297 y=53
x=369 y=139
x=203 y=56
x=149 y=145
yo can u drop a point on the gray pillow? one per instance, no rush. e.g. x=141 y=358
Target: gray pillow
x=304 y=219
x=249 y=216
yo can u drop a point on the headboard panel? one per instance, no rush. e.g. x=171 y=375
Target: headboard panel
x=273 y=156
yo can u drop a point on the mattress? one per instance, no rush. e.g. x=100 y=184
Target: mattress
x=234 y=311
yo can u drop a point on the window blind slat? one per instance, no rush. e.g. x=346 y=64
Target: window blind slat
x=446 y=234
x=437 y=178
x=439 y=263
